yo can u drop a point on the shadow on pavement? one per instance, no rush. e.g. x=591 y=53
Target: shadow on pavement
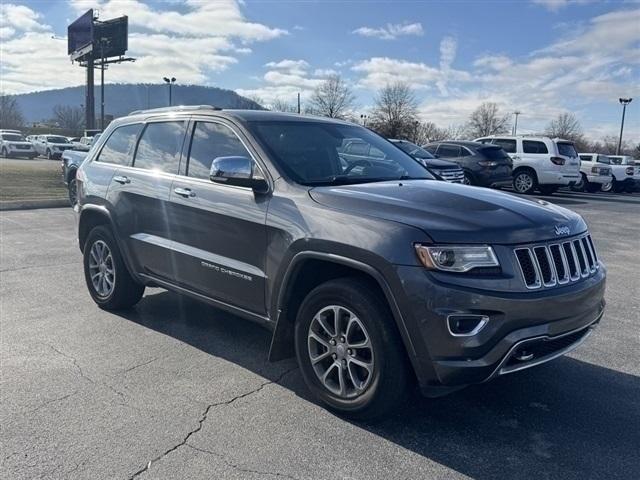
x=567 y=419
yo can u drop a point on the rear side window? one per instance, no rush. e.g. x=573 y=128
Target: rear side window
x=118 y=149
x=532 y=146
x=507 y=144
x=494 y=153
x=586 y=158
x=567 y=149
x=449 y=151
x=211 y=140
x=160 y=146
x=604 y=159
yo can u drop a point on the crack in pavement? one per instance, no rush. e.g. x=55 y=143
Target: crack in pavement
x=138 y=365
x=235 y=466
x=31 y=267
x=202 y=419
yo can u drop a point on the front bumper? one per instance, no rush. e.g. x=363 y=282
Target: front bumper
x=21 y=153
x=535 y=320
x=601 y=179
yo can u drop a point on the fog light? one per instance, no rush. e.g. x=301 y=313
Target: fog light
x=461 y=325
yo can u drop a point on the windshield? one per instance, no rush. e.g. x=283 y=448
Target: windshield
x=567 y=149
x=413 y=150
x=322 y=153
x=12 y=137
x=57 y=140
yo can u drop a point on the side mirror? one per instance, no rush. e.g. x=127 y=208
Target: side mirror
x=239 y=172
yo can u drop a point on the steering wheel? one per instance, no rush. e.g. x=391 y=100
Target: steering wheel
x=355 y=163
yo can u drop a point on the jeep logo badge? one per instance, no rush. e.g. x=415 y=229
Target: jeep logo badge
x=562 y=230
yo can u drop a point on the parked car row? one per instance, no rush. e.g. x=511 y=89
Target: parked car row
x=14 y=144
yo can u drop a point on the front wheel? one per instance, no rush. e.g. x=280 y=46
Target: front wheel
x=349 y=351
x=607 y=187
x=49 y=155
x=108 y=280
x=73 y=191
x=524 y=182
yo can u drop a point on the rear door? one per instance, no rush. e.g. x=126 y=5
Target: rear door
x=140 y=195
x=567 y=150
x=219 y=231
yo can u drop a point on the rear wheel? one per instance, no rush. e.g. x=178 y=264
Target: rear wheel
x=548 y=189
x=525 y=182
x=468 y=179
x=349 y=351
x=108 y=280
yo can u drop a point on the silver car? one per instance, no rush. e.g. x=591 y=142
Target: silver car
x=51 y=146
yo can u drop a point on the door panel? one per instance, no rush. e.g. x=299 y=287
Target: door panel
x=218 y=231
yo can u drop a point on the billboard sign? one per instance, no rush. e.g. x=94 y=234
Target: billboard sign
x=80 y=34
x=110 y=38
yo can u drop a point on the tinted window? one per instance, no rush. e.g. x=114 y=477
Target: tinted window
x=494 y=153
x=119 y=147
x=464 y=152
x=310 y=152
x=586 y=158
x=567 y=149
x=431 y=149
x=508 y=145
x=414 y=150
x=604 y=159
x=449 y=151
x=209 y=141
x=531 y=146
x=159 y=147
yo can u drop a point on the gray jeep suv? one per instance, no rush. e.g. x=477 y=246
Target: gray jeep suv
x=371 y=272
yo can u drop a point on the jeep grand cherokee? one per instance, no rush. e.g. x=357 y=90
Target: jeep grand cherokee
x=371 y=272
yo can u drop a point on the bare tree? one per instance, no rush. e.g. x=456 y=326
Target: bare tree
x=10 y=114
x=69 y=117
x=280 y=105
x=333 y=98
x=429 y=132
x=565 y=125
x=456 y=132
x=487 y=120
x=395 y=111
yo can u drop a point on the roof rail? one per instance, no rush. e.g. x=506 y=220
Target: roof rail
x=177 y=108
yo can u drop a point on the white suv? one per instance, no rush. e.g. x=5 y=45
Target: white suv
x=51 y=146
x=541 y=163
x=596 y=173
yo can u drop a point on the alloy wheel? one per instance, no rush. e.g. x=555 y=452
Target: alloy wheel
x=73 y=192
x=340 y=351
x=102 y=269
x=523 y=182
x=606 y=187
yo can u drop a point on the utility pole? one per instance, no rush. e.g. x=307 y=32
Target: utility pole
x=515 y=125
x=624 y=102
x=90 y=111
x=102 y=66
x=298 y=102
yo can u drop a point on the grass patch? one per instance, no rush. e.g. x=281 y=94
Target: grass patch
x=31 y=180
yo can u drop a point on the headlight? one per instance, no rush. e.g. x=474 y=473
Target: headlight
x=456 y=258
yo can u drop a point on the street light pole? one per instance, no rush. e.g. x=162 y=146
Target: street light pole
x=515 y=125
x=170 y=82
x=624 y=102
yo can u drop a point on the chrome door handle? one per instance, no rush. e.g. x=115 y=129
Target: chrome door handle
x=121 y=179
x=185 y=192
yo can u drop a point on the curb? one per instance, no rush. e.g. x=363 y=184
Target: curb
x=33 y=204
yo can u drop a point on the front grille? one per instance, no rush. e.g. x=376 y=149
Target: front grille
x=454 y=175
x=554 y=264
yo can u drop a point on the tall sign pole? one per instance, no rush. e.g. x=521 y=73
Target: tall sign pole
x=90 y=105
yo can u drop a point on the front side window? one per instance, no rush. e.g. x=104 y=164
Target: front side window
x=507 y=144
x=159 y=147
x=449 y=151
x=209 y=141
x=317 y=153
x=532 y=146
x=118 y=149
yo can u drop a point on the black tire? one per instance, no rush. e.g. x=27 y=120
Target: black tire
x=525 y=182
x=468 y=179
x=386 y=386
x=547 y=189
x=593 y=187
x=73 y=190
x=618 y=187
x=582 y=185
x=607 y=187
x=126 y=292
x=49 y=156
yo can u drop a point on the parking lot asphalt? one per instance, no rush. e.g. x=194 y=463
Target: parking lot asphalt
x=175 y=389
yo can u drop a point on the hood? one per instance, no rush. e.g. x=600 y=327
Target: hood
x=11 y=142
x=454 y=213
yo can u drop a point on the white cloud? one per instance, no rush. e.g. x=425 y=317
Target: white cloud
x=556 y=5
x=210 y=34
x=391 y=31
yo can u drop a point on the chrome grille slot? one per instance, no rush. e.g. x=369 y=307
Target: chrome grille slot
x=528 y=267
x=557 y=264
x=560 y=263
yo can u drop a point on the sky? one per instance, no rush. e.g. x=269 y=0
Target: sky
x=540 y=57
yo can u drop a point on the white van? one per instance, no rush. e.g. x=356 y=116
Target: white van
x=541 y=163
